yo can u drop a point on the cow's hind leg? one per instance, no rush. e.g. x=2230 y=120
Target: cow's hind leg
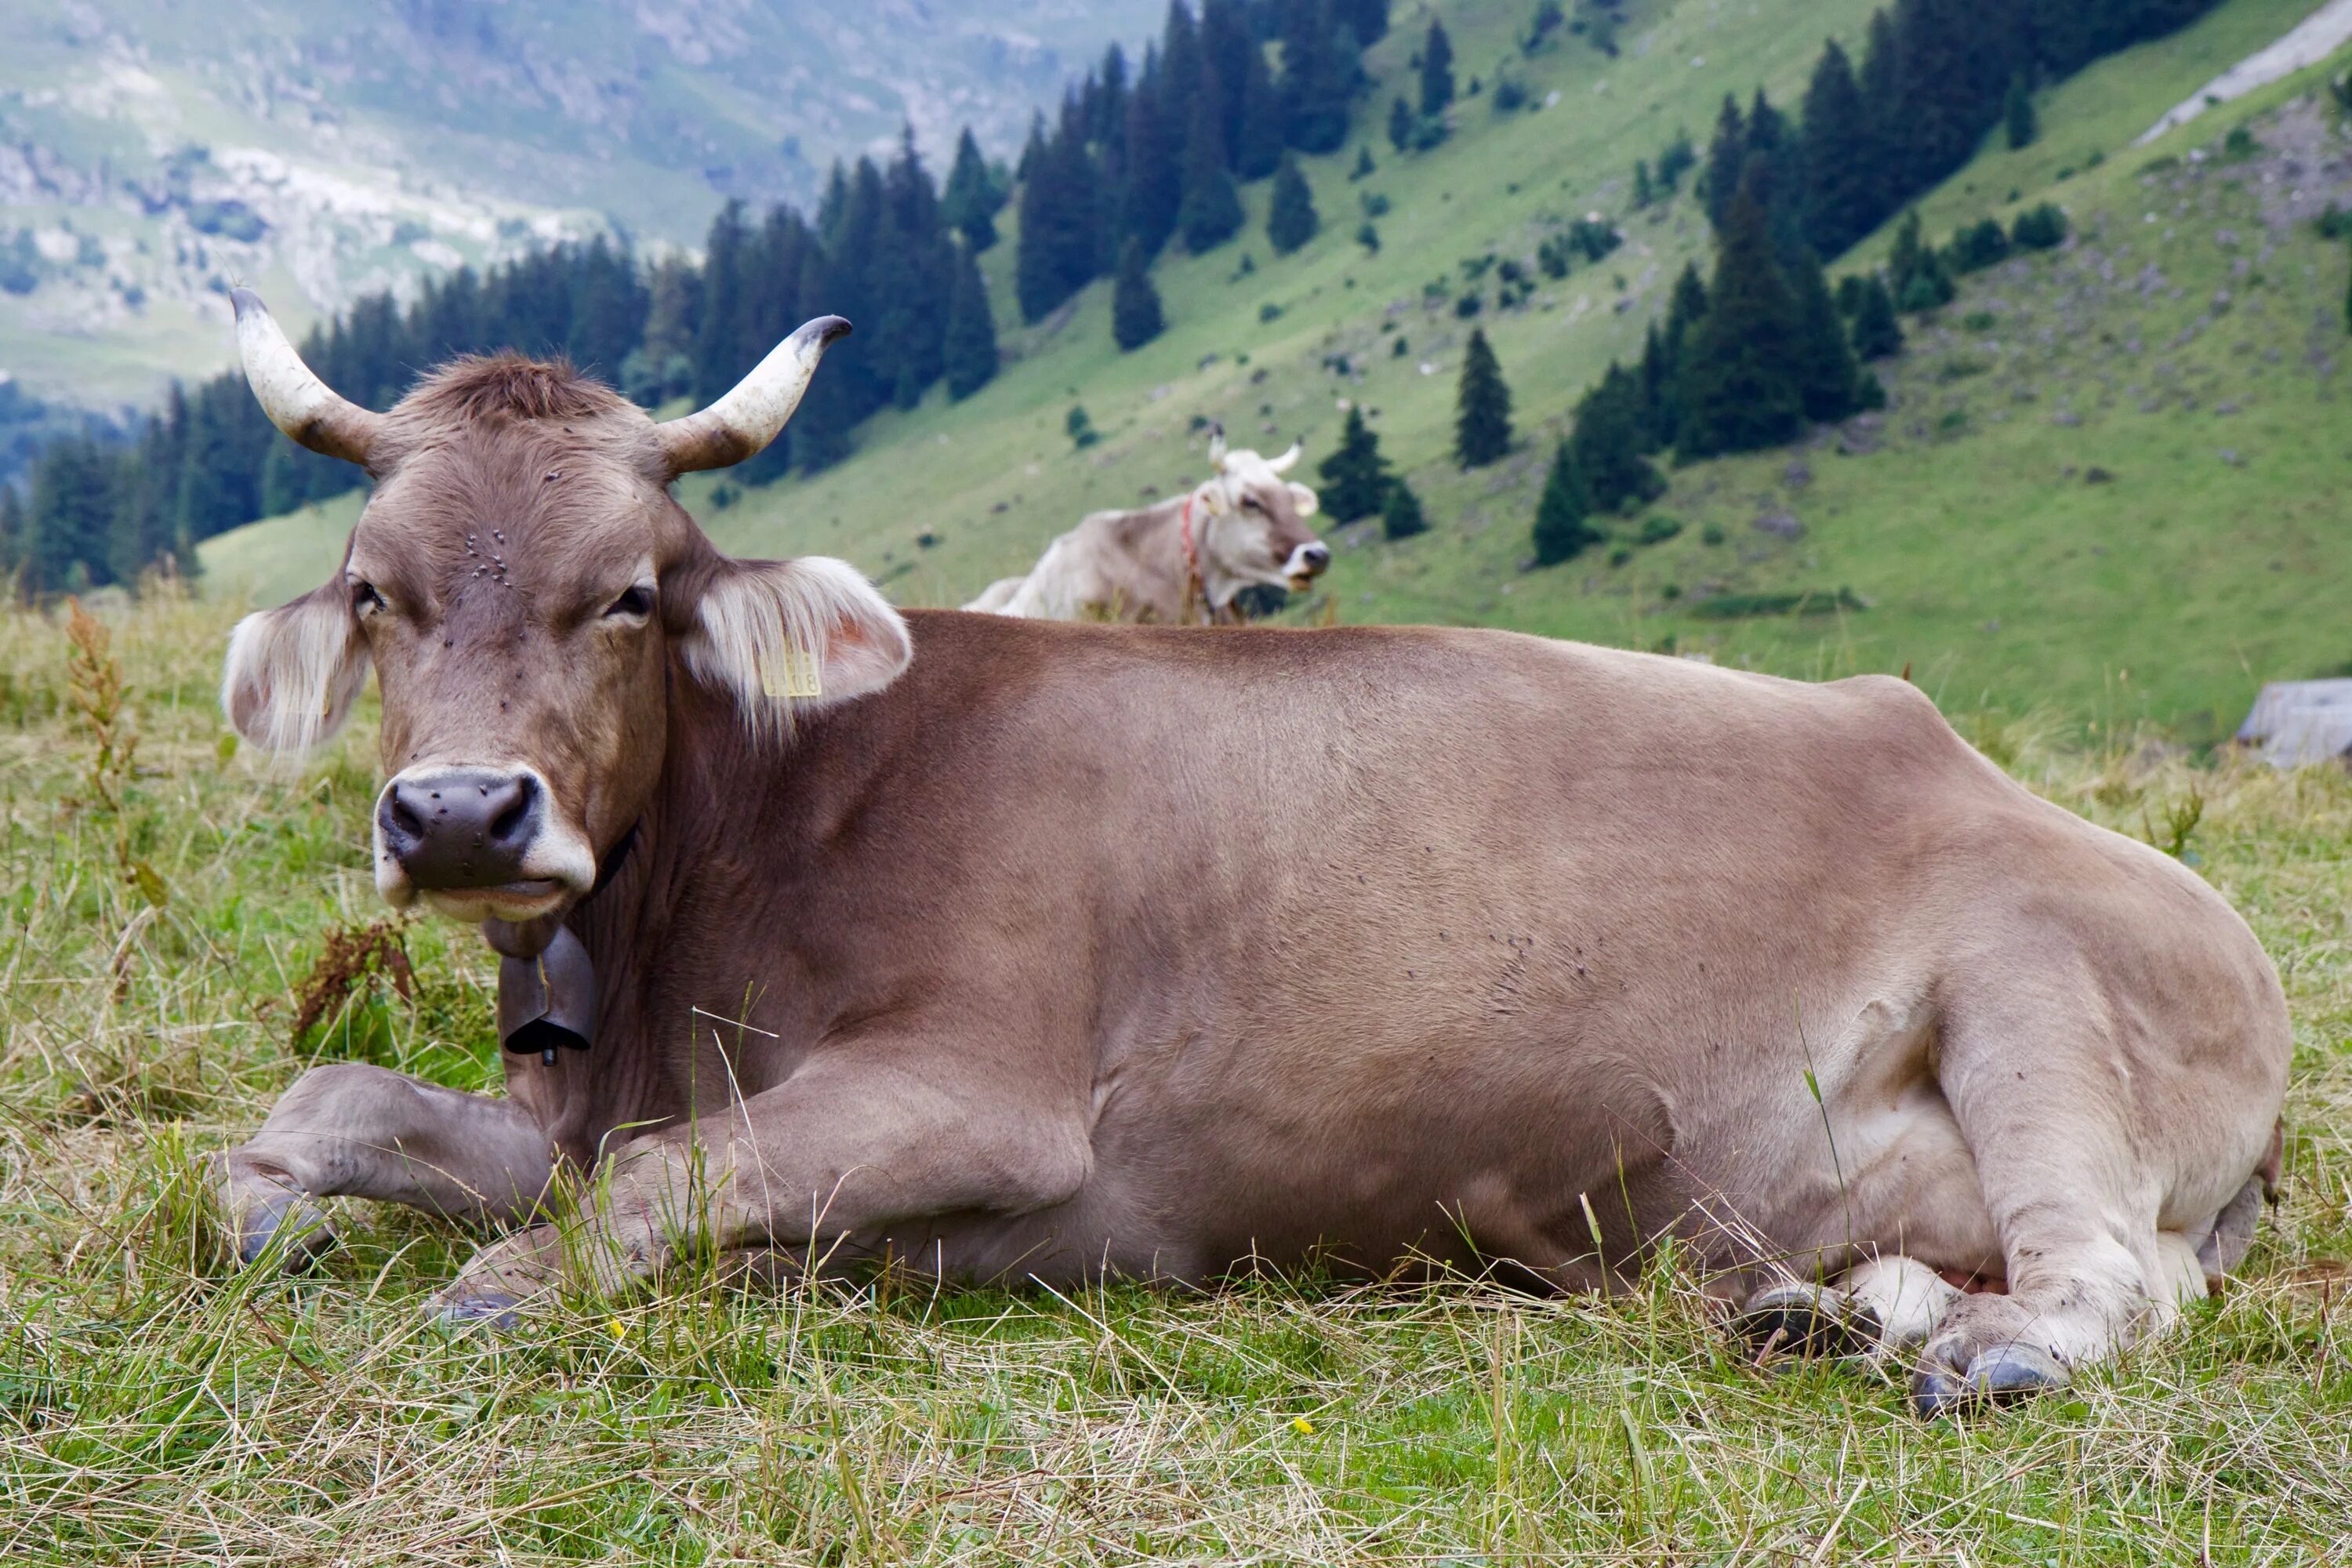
x=352 y=1129
x=1888 y=1304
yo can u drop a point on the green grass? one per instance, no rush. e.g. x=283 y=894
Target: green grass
x=159 y=1404
x=1990 y=569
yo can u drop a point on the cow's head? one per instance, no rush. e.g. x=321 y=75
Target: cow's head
x=1253 y=533
x=526 y=589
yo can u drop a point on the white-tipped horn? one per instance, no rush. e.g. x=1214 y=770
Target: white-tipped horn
x=741 y=423
x=291 y=394
x=1283 y=464
x=1217 y=447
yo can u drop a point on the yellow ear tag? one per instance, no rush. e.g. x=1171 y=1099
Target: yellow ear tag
x=793 y=673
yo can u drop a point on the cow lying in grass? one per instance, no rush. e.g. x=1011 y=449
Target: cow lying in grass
x=1181 y=561
x=1010 y=948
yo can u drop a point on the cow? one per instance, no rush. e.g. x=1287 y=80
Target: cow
x=1183 y=561
x=1008 y=950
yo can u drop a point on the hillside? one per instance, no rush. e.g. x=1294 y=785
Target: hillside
x=1964 y=517
x=150 y=149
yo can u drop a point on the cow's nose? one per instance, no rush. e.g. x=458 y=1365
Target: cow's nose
x=1315 y=557
x=461 y=828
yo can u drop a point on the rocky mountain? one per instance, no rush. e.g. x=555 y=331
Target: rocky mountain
x=152 y=150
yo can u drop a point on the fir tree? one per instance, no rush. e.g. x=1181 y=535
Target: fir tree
x=973 y=197
x=1608 y=443
x=1356 y=478
x=1365 y=168
x=1482 y=406
x=1401 y=514
x=1839 y=201
x=1436 y=70
x=1726 y=159
x=70 y=516
x=1135 y=317
x=2016 y=114
x=1318 y=75
x=1563 y=517
x=1644 y=192
x=1877 y=334
x=1737 y=390
x=1212 y=213
x=718 y=351
x=1400 y=125
x=970 y=346
x=1290 y=219
x=1259 y=120
x=1152 y=193
x=1914 y=273
x=1824 y=367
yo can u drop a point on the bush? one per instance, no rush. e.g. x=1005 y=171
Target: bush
x=1711 y=534
x=1510 y=96
x=1738 y=606
x=1620 y=555
x=1979 y=246
x=1979 y=321
x=1658 y=529
x=1468 y=305
x=2039 y=229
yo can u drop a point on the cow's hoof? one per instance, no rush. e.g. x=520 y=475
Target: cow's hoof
x=264 y=1216
x=1807 y=1320
x=2001 y=1376
x=486 y=1308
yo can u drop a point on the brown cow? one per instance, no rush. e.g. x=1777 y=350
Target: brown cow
x=1012 y=948
x=1182 y=560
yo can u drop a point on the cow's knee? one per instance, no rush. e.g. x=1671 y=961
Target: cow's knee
x=261 y=1205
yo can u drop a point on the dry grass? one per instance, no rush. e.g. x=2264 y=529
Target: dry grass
x=157 y=1404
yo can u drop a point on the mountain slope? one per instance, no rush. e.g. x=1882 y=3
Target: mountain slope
x=149 y=150
x=1957 y=529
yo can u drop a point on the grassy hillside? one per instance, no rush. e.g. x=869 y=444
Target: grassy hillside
x=1989 y=565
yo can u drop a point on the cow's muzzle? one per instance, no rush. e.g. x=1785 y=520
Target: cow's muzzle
x=477 y=841
x=1307 y=562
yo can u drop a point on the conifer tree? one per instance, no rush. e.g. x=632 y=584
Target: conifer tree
x=1644 y=192
x=1608 y=445
x=1212 y=213
x=1319 y=75
x=1563 y=517
x=1738 y=392
x=1152 y=192
x=1726 y=160
x=1365 y=168
x=1290 y=219
x=1401 y=513
x=1400 y=125
x=971 y=200
x=1436 y=70
x=1356 y=478
x=2016 y=114
x=971 y=347
x=1482 y=406
x=1839 y=201
x=1135 y=317
x=1877 y=334
x=1259 y=120
x=1824 y=368
x=717 y=347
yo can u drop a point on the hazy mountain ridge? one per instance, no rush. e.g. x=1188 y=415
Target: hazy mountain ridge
x=151 y=149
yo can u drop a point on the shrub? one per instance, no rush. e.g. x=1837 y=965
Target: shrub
x=2039 y=229
x=1658 y=529
x=1711 y=534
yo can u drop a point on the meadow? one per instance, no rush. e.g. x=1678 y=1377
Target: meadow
x=168 y=905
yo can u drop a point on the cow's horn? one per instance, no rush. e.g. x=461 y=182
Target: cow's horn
x=291 y=394
x=1217 y=447
x=741 y=423
x=1282 y=465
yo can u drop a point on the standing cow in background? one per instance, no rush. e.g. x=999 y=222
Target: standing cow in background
x=1181 y=561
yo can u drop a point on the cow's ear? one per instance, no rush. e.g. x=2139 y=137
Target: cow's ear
x=1213 y=498
x=788 y=635
x=1304 y=501
x=292 y=672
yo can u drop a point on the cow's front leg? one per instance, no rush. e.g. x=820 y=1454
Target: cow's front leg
x=352 y=1130
x=842 y=1152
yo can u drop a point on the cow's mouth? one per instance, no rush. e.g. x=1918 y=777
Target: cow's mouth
x=512 y=901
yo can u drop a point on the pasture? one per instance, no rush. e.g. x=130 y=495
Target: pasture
x=167 y=908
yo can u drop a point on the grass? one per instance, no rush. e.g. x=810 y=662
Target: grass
x=159 y=1404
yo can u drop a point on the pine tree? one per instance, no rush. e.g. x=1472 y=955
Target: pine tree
x=1318 y=75
x=970 y=346
x=1212 y=213
x=1135 y=317
x=1824 y=368
x=1259 y=120
x=1290 y=219
x=1152 y=192
x=1608 y=443
x=1482 y=407
x=1356 y=478
x=1563 y=517
x=1839 y=201
x=717 y=346
x=1400 y=125
x=2016 y=114
x=1365 y=168
x=1726 y=159
x=1401 y=514
x=1914 y=273
x=1737 y=390
x=1877 y=334
x=1436 y=70
x=973 y=198
x=1644 y=192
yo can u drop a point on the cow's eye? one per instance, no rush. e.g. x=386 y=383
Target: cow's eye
x=1249 y=503
x=635 y=601
x=365 y=600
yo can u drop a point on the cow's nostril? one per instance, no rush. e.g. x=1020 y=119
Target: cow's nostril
x=515 y=819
